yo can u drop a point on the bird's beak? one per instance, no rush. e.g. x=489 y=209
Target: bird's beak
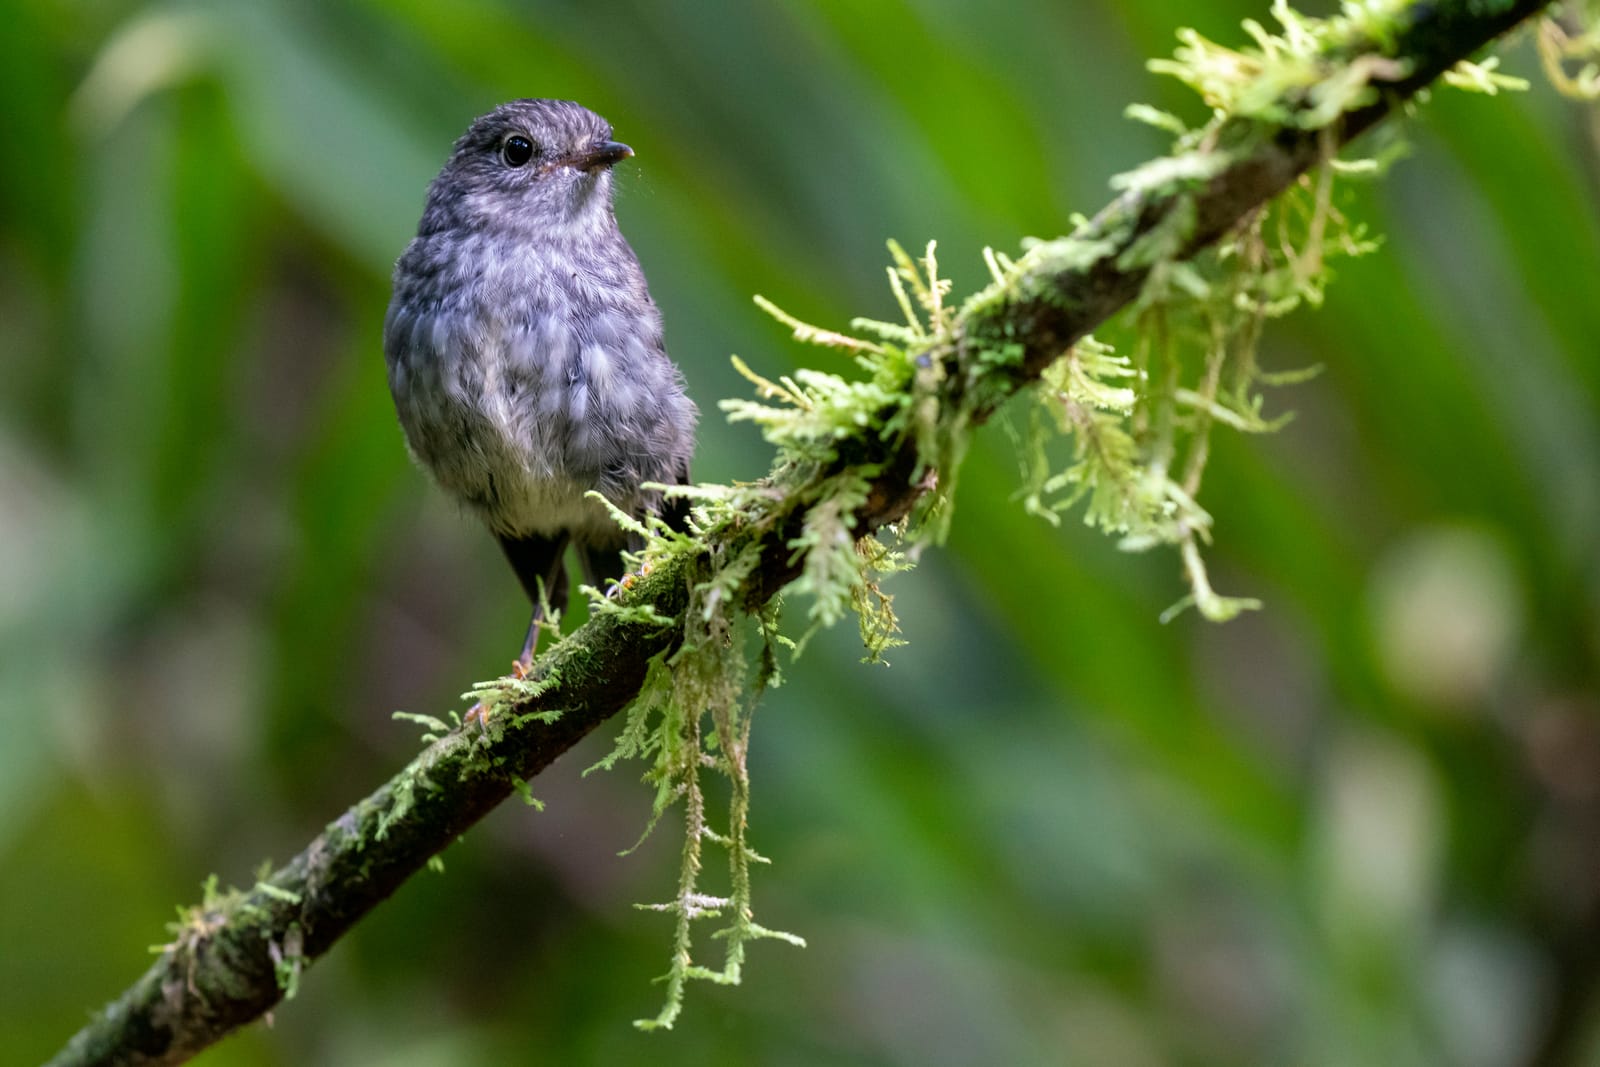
x=600 y=154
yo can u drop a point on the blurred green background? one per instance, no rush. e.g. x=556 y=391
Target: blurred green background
x=1360 y=827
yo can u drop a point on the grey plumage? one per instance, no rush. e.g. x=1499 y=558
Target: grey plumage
x=525 y=354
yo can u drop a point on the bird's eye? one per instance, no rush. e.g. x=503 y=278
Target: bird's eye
x=516 y=150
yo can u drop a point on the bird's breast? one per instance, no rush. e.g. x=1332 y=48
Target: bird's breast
x=520 y=413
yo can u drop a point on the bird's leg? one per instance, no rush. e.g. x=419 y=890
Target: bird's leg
x=521 y=667
x=623 y=584
x=523 y=664
x=539 y=566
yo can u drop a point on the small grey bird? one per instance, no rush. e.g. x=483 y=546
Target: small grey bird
x=525 y=353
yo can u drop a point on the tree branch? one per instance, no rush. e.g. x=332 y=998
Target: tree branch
x=235 y=956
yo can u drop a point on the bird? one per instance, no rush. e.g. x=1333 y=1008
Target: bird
x=526 y=357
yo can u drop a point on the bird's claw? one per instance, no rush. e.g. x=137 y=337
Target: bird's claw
x=479 y=712
x=628 y=581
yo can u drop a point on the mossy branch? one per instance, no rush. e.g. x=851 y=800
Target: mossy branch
x=237 y=954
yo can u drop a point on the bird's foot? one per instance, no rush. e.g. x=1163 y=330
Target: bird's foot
x=479 y=712
x=628 y=581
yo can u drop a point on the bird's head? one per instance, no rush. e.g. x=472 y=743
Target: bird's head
x=534 y=164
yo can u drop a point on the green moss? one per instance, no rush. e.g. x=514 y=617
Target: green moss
x=288 y=960
x=526 y=793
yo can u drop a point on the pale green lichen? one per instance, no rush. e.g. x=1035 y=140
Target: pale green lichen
x=691 y=718
x=525 y=792
x=288 y=960
x=498 y=696
x=1569 y=48
x=1298 y=77
x=197 y=923
x=402 y=797
x=433 y=727
x=1484 y=77
x=288 y=896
